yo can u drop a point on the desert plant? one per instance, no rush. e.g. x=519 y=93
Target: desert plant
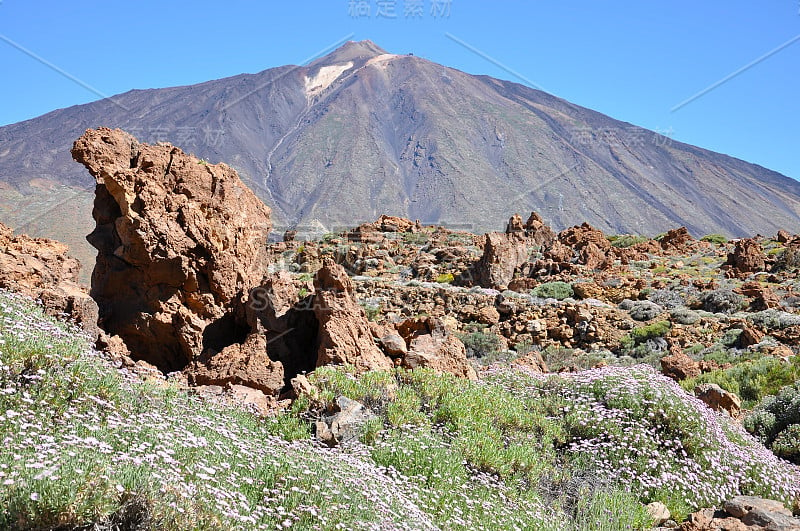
x=684 y=316
x=714 y=238
x=553 y=290
x=624 y=241
x=445 y=278
x=638 y=338
x=481 y=345
x=776 y=421
x=722 y=301
x=644 y=310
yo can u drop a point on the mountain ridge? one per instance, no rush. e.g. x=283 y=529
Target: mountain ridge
x=362 y=132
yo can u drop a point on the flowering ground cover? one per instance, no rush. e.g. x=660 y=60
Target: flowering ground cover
x=83 y=442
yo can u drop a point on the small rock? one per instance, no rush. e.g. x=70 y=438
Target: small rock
x=659 y=512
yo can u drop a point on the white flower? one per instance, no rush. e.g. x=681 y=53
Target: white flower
x=34 y=496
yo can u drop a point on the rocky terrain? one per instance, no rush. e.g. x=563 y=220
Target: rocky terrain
x=362 y=132
x=520 y=365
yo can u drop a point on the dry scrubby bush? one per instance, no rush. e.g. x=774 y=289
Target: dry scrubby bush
x=722 y=301
x=773 y=319
x=641 y=310
x=684 y=316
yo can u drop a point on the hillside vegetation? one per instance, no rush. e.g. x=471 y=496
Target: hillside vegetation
x=85 y=442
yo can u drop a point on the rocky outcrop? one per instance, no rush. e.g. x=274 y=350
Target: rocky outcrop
x=679 y=366
x=503 y=255
x=42 y=269
x=676 y=240
x=432 y=346
x=762 y=297
x=344 y=334
x=719 y=399
x=590 y=245
x=180 y=244
x=244 y=364
x=744 y=513
x=538 y=231
x=747 y=257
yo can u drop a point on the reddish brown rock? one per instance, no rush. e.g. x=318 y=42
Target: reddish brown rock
x=538 y=231
x=440 y=352
x=747 y=257
x=591 y=245
x=762 y=296
x=515 y=225
x=42 y=269
x=679 y=366
x=239 y=364
x=344 y=334
x=783 y=236
x=532 y=360
x=558 y=252
x=431 y=345
x=503 y=254
x=676 y=240
x=719 y=399
x=580 y=236
x=180 y=244
x=396 y=224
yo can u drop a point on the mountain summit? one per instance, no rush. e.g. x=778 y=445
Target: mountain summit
x=361 y=132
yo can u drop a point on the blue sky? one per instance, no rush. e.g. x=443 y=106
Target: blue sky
x=633 y=60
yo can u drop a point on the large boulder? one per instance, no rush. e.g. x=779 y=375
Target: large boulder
x=244 y=364
x=180 y=243
x=747 y=257
x=590 y=244
x=719 y=399
x=432 y=346
x=343 y=334
x=503 y=255
x=42 y=269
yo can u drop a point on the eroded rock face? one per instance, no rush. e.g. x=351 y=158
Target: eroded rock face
x=42 y=269
x=503 y=254
x=432 y=346
x=244 y=364
x=747 y=257
x=719 y=399
x=344 y=334
x=676 y=239
x=180 y=244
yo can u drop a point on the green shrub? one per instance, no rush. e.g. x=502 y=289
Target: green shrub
x=553 y=290
x=481 y=345
x=776 y=421
x=714 y=238
x=624 y=241
x=753 y=379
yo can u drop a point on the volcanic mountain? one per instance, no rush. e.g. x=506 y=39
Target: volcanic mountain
x=362 y=132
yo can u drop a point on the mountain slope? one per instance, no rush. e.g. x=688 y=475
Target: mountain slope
x=361 y=132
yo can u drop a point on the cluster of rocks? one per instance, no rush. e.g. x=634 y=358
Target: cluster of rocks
x=42 y=269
